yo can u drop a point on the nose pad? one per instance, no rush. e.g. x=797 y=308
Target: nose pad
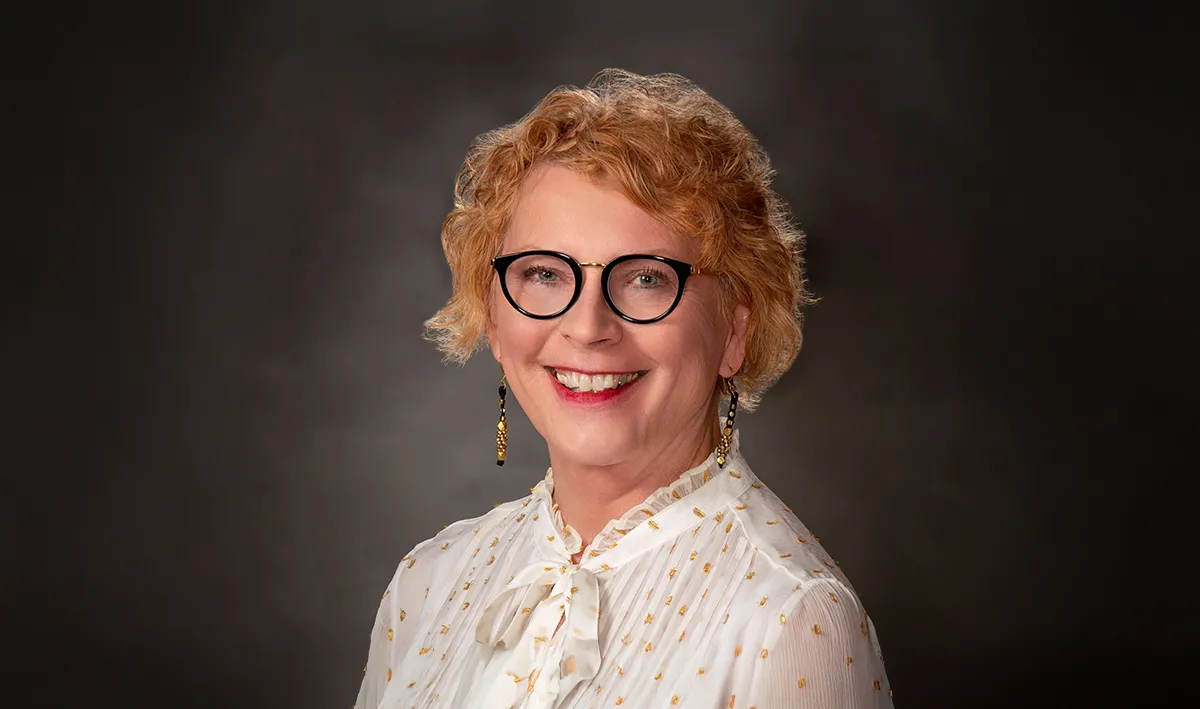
x=591 y=320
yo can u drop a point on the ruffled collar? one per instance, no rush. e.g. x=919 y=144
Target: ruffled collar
x=552 y=598
x=658 y=501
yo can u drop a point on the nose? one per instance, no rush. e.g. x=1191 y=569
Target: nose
x=590 y=322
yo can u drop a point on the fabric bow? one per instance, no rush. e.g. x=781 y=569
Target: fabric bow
x=550 y=592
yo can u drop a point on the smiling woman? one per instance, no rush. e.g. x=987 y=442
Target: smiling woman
x=622 y=254
x=637 y=435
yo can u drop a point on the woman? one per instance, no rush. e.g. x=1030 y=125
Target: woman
x=622 y=253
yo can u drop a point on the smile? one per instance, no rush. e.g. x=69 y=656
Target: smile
x=579 y=382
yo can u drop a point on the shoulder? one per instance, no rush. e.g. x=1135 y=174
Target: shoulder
x=428 y=565
x=797 y=585
x=789 y=559
x=457 y=537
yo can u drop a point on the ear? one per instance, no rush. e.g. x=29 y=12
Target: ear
x=490 y=321
x=735 y=343
x=493 y=341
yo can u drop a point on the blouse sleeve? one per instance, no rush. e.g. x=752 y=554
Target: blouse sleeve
x=826 y=655
x=394 y=629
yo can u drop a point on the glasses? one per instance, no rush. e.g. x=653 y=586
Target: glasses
x=639 y=288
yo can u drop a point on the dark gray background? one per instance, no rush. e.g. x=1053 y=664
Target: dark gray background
x=226 y=428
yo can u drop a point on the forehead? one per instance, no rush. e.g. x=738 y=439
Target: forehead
x=564 y=210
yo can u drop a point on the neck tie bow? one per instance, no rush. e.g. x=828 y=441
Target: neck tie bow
x=548 y=659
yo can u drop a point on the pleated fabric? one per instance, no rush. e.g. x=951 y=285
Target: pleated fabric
x=711 y=594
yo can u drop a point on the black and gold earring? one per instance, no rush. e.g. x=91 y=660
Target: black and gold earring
x=727 y=434
x=502 y=426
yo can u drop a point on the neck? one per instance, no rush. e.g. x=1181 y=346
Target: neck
x=589 y=496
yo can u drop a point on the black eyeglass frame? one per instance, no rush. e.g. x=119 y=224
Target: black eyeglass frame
x=682 y=271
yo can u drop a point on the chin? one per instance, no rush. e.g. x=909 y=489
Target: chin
x=594 y=447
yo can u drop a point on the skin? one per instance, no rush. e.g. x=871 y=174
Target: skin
x=610 y=457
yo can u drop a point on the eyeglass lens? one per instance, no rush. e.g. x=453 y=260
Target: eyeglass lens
x=642 y=289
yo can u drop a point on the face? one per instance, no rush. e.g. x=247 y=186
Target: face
x=672 y=364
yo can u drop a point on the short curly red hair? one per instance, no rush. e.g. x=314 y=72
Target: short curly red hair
x=675 y=152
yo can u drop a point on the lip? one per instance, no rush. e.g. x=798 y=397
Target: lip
x=591 y=398
x=591 y=372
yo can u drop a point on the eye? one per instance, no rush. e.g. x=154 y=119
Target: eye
x=649 y=278
x=539 y=274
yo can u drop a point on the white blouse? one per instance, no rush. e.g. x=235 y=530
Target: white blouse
x=709 y=595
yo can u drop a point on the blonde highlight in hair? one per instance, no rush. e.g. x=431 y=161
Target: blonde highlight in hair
x=676 y=153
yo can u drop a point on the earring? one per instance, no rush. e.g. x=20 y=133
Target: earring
x=502 y=426
x=727 y=434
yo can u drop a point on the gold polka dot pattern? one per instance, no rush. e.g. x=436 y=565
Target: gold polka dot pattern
x=657 y=612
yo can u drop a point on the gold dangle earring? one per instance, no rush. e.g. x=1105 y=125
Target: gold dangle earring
x=502 y=426
x=727 y=434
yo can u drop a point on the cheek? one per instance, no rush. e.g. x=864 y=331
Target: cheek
x=504 y=325
x=698 y=336
x=518 y=338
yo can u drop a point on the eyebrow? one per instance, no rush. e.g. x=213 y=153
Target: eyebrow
x=669 y=253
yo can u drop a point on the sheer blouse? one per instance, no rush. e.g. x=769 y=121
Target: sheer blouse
x=711 y=594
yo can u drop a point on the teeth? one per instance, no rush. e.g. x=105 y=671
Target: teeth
x=594 y=382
